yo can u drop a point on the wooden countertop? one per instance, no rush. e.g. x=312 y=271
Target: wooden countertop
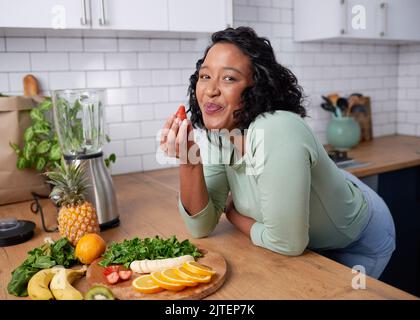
x=385 y=154
x=148 y=207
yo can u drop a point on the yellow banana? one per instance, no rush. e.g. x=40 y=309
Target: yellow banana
x=38 y=284
x=61 y=284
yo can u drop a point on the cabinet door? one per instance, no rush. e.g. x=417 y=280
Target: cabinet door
x=130 y=15
x=360 y=19
x=56 y=14
x=401 y=20
x=199 y=15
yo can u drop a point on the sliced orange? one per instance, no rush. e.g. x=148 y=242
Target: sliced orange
x=199 y=268
x=163 y=283
x=186 y=274
x=146 y=284
x=171 y=276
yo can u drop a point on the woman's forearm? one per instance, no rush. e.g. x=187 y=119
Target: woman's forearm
x=194 y=195
x=241 y=222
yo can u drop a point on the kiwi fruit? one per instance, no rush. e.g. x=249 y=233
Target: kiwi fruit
x=99 y=293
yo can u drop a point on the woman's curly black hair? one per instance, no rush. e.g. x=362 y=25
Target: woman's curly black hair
x=275 y=87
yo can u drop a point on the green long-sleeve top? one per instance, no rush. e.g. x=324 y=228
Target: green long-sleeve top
x=286 y=182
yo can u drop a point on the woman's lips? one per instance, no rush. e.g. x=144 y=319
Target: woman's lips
x=211 y=108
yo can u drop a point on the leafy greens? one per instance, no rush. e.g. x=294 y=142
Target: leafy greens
x=147 y=248
x=46 y=256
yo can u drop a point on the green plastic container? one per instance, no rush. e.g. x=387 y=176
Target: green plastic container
x=343 y=133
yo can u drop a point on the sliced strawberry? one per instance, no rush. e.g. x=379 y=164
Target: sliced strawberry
x=181 y=114
x=110 y=269
x=125 y=274
x=113 y=277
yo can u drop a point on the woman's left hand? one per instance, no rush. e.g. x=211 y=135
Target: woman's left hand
x=241 y=222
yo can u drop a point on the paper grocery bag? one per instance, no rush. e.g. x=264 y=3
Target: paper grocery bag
x=16 y=185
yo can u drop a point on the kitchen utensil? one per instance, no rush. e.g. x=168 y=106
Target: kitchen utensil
x=343 y=105
x=125 y=291
x=79 y=121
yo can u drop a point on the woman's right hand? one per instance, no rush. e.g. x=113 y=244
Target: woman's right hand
x=177 y=139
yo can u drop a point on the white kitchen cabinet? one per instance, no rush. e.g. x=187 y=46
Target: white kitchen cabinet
x=103 y=17
x=51 y=14
x=130 y=14
x=348 y=20
x=199 y=15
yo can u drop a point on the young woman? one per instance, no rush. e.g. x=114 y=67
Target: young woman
x=278 y=185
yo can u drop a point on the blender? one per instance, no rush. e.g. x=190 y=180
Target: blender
x=79 y=122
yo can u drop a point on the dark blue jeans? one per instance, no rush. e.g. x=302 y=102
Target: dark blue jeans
x=376 y=243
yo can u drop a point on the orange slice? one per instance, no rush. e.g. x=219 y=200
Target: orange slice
x=146 y=284
x=186 y=274
x=198 y=268
x=163 y=283
x=171 y=276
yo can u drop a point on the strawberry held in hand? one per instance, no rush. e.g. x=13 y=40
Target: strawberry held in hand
x=180 y=114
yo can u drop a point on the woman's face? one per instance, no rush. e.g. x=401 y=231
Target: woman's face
x=223 y=76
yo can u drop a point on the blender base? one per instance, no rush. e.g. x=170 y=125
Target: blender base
x=110 y=224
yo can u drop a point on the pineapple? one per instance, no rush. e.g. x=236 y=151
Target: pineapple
x=76 y=216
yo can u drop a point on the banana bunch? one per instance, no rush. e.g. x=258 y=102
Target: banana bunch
x=55 y=283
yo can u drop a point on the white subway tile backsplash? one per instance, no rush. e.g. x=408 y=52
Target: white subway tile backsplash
x=64 y=44
x=282 y=30
x=103 y=79
x=113 y=114
x=178 y=93
x=153 y=94
x=153 y=60
x=86 y=61
x=49 y=61
x=160 y=45
x=166 y=77
x=138 y=112
x=260 y=3
x=100 y=44
x=164 y=110
x=25 y=44
x=67 y=80
x=120 y=61
x=408 y=82
x=127 y=165
x=136 y=78
x=119 y=131
x=133 y=45
x=122 y=96
x=151 y=128
x=14 y=62
x=116 y=147
x=406 y=128
x=140 y=146
x=287 y=4
x=245 y=13
x=183 y=60
x=4 y=83
x=2 y=44
x=269 y=15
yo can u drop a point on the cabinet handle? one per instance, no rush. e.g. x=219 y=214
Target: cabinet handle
x=343 y=29
x=102 y=20
x=384 y=11
x=83 y=18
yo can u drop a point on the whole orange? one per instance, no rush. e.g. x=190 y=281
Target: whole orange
x=90 y=247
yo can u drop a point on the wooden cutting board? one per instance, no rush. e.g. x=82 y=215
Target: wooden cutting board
x=124 y=290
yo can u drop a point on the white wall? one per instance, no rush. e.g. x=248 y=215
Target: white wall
x=147 y=78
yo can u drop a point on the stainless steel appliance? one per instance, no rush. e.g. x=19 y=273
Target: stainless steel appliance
x=79 y=122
